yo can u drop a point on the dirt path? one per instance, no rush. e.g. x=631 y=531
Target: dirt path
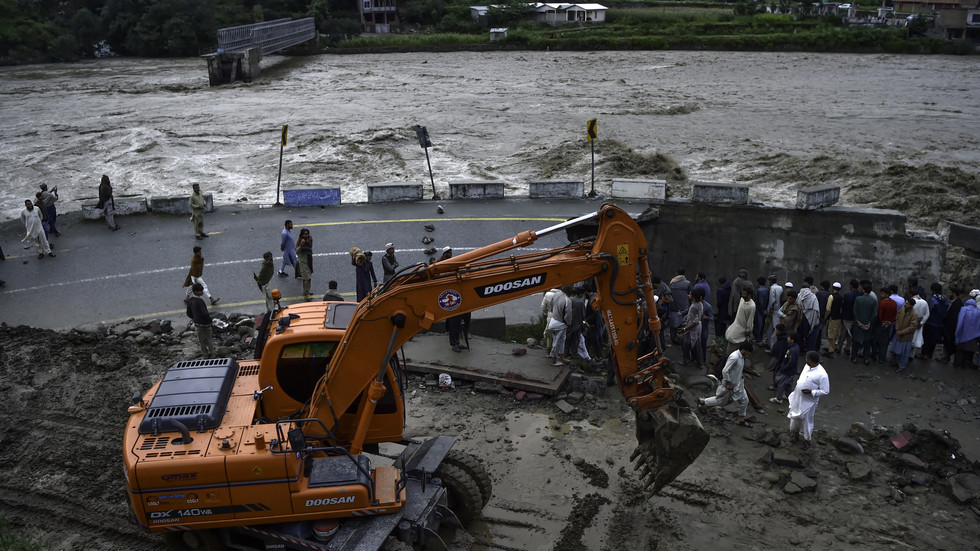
x=561 y=481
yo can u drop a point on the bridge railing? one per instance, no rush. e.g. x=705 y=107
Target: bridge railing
x=270 y=36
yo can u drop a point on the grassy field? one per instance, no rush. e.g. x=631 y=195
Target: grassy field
x=680 y=28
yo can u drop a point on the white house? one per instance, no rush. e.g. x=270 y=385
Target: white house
x=556 y=14
x=553 y=14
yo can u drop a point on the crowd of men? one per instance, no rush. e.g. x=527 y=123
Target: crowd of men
x=861 y=323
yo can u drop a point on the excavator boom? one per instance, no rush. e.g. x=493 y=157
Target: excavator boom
x=669 y=434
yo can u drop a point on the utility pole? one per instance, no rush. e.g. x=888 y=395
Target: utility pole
x=423 y=136
x=282 y=145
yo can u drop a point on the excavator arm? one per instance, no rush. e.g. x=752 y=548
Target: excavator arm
x=669 y=434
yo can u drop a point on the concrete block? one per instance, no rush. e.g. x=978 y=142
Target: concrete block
x=391 y=192
x=959 y=235
x=812 y=198
x=125 y=204
x=653 y=191
x=475 y=189
x=725 y=193
x=179 y=204
x=311 y=197
x=567 y=189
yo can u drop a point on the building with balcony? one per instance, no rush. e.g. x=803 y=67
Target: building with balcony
x=379 y=16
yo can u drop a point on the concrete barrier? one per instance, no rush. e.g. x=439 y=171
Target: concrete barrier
x=311 y=197
x=476 y=189
x=959 y=235
x=175 y=205
x=125 y=204
x=563 y=189
x=653 y=191
x=817 y=197
x=390 y=192
x=720 y=193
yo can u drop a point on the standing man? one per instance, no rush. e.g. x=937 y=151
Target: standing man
x=812 y=384
x=196 y=276
x=933 y=332
x=761 y=310
x=848 y=316
x=732 y=387
x=741 y=283
x=906 y=324
x=834 y=320
x=198 y=312
x=364 y=277
x=775 y=301
x=561 y=317
x=263 y=279
x=287 y=244
x=680 y=287
x=198 y=204
x=388 y=263
x=107 y=204
x=48 y=199
x=865 y=313
x=304 y=251
x=967 y=331
x=34 y=230
x=887 y=314
x=741 y=329
x=922 y=310
x=547 y=301
x=949 y=324
x=809 y=330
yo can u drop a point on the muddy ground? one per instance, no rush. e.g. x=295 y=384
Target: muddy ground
x=561 y=481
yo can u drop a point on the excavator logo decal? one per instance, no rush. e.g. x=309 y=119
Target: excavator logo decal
x=510 y=286
x=329 y=501
x=613 y=330
x=449 y=300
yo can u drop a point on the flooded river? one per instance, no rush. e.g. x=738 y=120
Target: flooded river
x=155 y=126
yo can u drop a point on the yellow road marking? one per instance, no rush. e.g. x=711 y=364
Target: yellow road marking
x=403 y=220
x=298 y=298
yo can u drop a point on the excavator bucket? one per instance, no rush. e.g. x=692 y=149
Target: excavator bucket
x=670 y=438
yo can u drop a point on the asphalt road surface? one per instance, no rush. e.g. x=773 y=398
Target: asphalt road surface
x=137 y=272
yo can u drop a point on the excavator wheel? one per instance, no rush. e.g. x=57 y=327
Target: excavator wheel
x=462 y=492
x=194 y=540
x=670 y=439
x=473 y=467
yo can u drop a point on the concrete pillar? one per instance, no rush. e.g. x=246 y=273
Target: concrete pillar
x=389 y=192
x=816 y=197
x=569 y=189
x=653 y=191
x=725 y=193
x=250 y=64
x=472 y=189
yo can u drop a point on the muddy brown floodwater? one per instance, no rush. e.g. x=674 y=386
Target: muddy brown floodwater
x=560 y=481
x=894 y=131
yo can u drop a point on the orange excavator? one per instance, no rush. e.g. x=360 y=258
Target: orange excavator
x=282 y=451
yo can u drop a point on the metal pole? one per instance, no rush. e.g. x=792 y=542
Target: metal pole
x=279 y=180
x=431 y=179
x=592 y=193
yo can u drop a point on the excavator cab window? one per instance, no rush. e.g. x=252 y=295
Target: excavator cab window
x=301 y=365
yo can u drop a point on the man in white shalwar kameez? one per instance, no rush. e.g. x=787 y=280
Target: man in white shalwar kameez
x=741 y=328
x=922 y=310
x=812 y=384
x=35 y=229
x=732 y=387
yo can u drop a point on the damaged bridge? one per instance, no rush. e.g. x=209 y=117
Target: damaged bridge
x=240 y=49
